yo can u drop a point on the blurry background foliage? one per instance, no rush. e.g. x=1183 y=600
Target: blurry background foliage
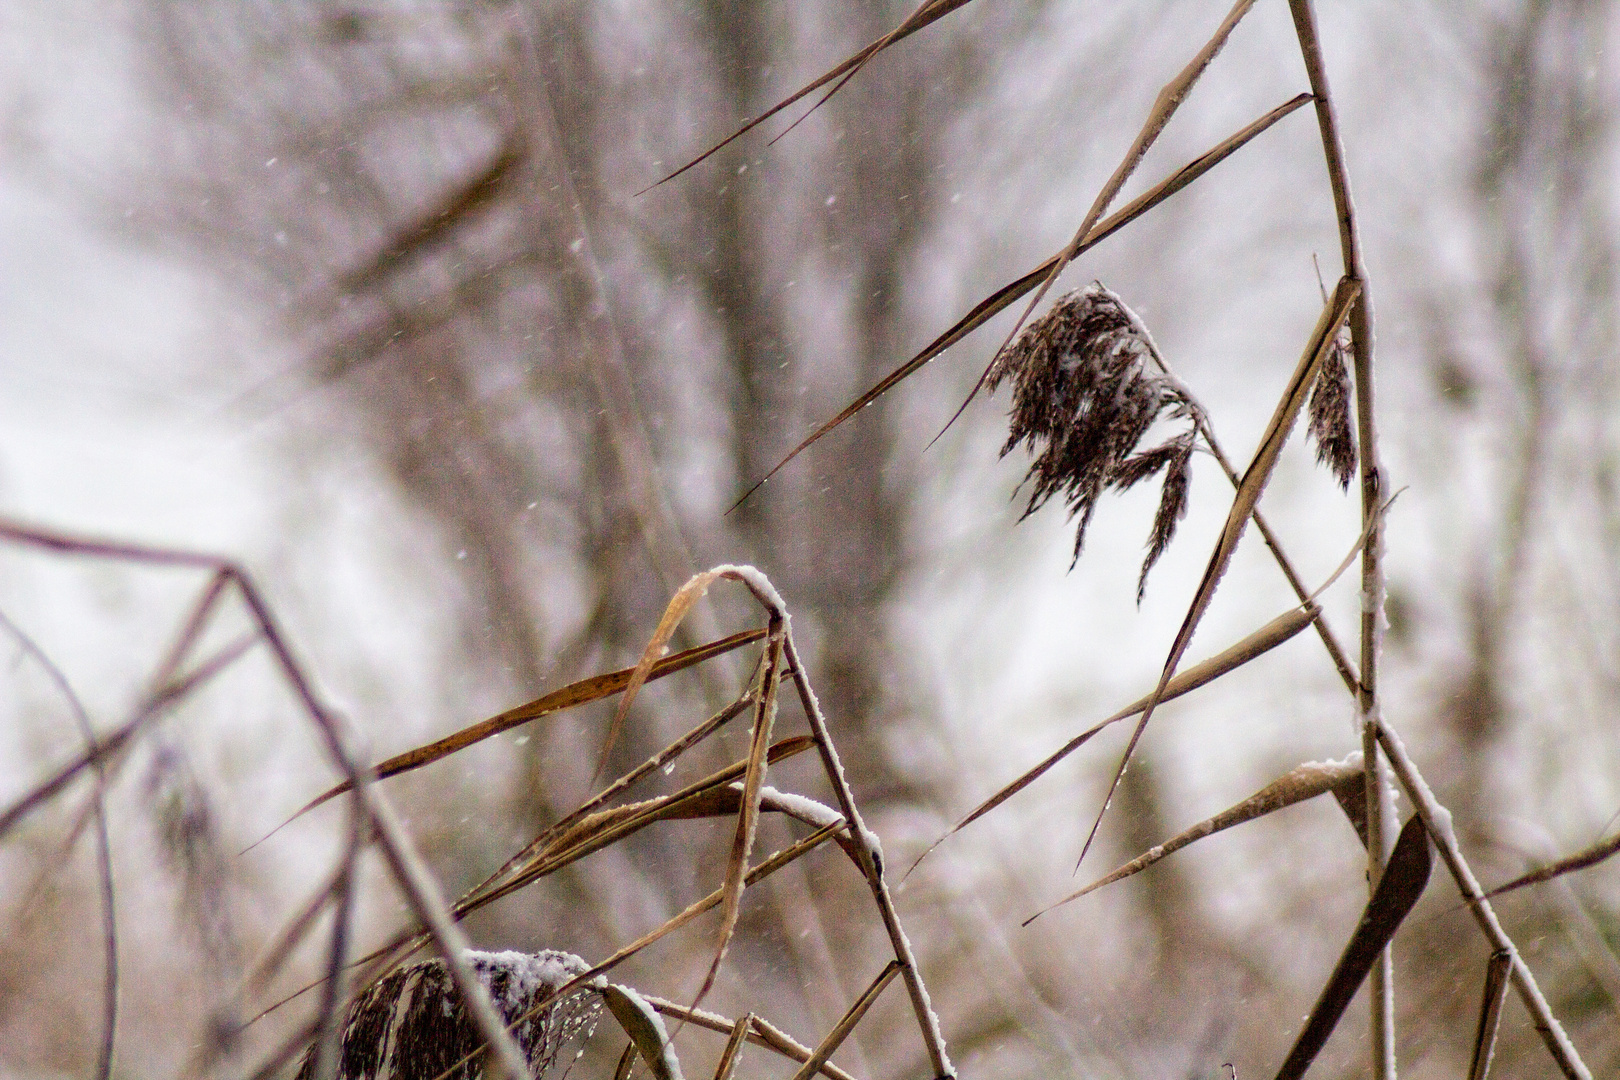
x=362 y=294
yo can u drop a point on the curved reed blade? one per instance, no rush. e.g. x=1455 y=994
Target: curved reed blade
x=846 y=1024
x=1579 y=861
x=1165 y=105
x=574 y=694
x=742 y=843
x=645 y=1029
x=734 y=1042
x=1262 y=641
x=761 y=1032
x=1398 y=890
x=928 y=12
x=1297 y=785
x=1247 y=498
x=1490 y=1013
x=706 y=798
x=992 y=305
x=679 y=604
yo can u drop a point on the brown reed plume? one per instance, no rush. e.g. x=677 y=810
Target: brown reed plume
x=1086 y=390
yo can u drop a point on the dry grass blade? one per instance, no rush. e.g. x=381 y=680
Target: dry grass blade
x=706 y=798
x=1398 y=890
x=1438 y=820
x=1243 y=504
x=1490 y=1013
x=645 y=1029
x=574 y=694
x=928 y=12
x=679 y=604
x=1593 y=855
x=840 y=1031
x=742 y=843
x=1164 y=107
x=761 y=1032
x=728 y=1057
x=659 y=760
x=1262 y=641
x=1305 y=782
x=1003 y=297
x=606 y=827
x=627 y=1062
x=759 y=873
x=407 y=942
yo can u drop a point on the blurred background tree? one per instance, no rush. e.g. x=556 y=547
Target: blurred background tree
x=503 y=404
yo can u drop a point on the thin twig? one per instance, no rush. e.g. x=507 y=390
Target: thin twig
x=840 y=1031
x=98 y=803
x=1438 y=821
x=870 y=861
x=328 y=1041
x=761 y=1033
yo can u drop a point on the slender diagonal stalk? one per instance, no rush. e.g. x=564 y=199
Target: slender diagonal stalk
x=870 y=860
x=1379 y=793
x=1206 y=428
x=1437 y=819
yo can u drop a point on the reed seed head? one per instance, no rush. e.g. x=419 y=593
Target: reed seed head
x=1330 y=413
x=1086 y=388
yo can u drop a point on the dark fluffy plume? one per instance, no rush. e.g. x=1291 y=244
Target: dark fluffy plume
x=1085 y=392
x=1330 y=414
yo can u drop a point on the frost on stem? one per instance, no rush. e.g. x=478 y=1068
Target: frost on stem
x=1086 y=390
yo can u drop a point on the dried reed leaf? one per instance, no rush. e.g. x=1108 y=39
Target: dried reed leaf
x=645 y=1029
x=1085 y=393
x=766 y=868
x=1165 y=105
x=1247 y=498
x=927 y=12
x=1405 y=877
x=1352 y=799
x=574 y=694
x=761 y=1032
x=1490 y=1014
x=742 y=843
x=627 y=1062
x=1579 y=861
x=607 y=827
x=659 y=760
x=734 y=1042
x=1262 y=641
x=1305 y=782
x=846 y=1024
x=993 y=304
x=679 y=605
